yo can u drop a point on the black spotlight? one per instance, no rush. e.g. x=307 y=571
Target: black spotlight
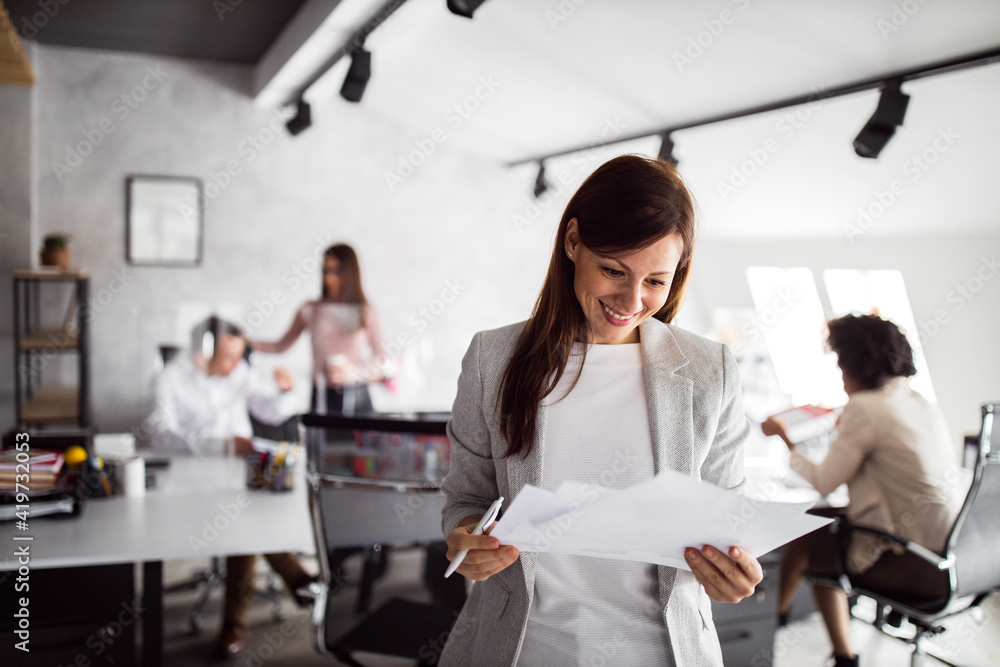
x=464 y=8
x=882 y=125
x=667 y=150
x=357 y=77
x=302 y=118
x=540 y=183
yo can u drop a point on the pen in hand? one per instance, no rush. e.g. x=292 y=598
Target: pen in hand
x=480 y=528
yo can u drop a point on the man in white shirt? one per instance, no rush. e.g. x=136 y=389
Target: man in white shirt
x=203 y=404
x=203 y=407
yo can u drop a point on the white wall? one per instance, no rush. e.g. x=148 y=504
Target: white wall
x=446 y=224
x=962 y=353
x=15 y=222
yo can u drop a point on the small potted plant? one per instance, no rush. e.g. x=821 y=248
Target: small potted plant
x=55 y=251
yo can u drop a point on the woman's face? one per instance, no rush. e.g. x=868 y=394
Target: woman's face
x=620 y=291
x=331 y=277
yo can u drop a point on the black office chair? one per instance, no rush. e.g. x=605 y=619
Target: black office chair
x=348 y=514
x=967 y=572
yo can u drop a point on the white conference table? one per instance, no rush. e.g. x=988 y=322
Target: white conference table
x=199 y=508
x=769 y=477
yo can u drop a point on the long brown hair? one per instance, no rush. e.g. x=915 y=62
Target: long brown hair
x=351 y=290
x=629 y=203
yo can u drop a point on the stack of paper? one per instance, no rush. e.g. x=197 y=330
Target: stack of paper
x=34 y=470
x=651 y=522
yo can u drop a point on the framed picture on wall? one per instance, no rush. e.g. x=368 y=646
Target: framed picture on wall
x=164 y=220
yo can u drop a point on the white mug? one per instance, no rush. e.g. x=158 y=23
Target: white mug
x=133 y=477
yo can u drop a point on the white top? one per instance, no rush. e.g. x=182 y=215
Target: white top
x=197 y=413
x=583 y=608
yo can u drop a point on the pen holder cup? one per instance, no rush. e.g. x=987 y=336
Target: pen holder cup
x=269 y=474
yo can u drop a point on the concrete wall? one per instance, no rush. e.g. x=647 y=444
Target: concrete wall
x=16 y=239
x=444 y=229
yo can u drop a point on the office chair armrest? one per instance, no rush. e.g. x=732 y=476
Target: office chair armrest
x=922 y=552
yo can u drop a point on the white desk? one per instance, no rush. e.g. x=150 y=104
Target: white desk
x=770 y=478
x=173 y=521
x=200 y=507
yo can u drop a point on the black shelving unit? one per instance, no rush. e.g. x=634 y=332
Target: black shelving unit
x=39 y=405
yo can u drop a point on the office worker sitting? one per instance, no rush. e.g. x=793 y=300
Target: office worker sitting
x=893 y=451
x=202 y=408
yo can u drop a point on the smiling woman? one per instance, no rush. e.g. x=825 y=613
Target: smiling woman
x=622 y=289
x=632 y=211
x=597 y=380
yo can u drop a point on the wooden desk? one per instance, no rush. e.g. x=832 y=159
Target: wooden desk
x=199 y=508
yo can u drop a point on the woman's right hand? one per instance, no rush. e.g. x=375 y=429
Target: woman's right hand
x=485 y=558
x=772 y=426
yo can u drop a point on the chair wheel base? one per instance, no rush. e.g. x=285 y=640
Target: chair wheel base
x=197 y=623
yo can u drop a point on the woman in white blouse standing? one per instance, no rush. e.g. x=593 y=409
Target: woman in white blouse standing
x=597 y=381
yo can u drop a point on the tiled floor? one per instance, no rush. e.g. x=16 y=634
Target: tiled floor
x=972 y=641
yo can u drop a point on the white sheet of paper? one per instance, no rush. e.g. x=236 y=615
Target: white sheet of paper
x=651 y=522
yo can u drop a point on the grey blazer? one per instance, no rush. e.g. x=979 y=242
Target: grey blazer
x=698 y=428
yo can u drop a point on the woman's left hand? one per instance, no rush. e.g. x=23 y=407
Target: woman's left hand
x=284 y=379
x=726 y=578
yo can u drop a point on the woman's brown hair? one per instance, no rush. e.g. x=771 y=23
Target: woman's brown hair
x=629 y=203
x=350 y=276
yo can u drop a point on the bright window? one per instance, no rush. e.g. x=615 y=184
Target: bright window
x=882 y=293
x=791 y=320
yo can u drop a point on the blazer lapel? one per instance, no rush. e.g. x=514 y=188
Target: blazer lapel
x=528 y=471
x=669 y=399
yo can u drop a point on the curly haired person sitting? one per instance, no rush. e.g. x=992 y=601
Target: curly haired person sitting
x=893 y=451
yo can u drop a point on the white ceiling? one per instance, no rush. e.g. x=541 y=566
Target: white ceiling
x=565 y=69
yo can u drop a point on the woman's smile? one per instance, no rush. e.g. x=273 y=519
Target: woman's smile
x=617 y=317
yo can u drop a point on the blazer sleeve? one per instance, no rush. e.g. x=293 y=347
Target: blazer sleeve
x=471 y=484
x=724 y=464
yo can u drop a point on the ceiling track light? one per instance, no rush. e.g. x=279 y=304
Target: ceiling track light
x=882 y=125
x=357 y=76
x=541 y=185
x=667 y=150
x=464 y=8
x=893 y=100
x=302 y=118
